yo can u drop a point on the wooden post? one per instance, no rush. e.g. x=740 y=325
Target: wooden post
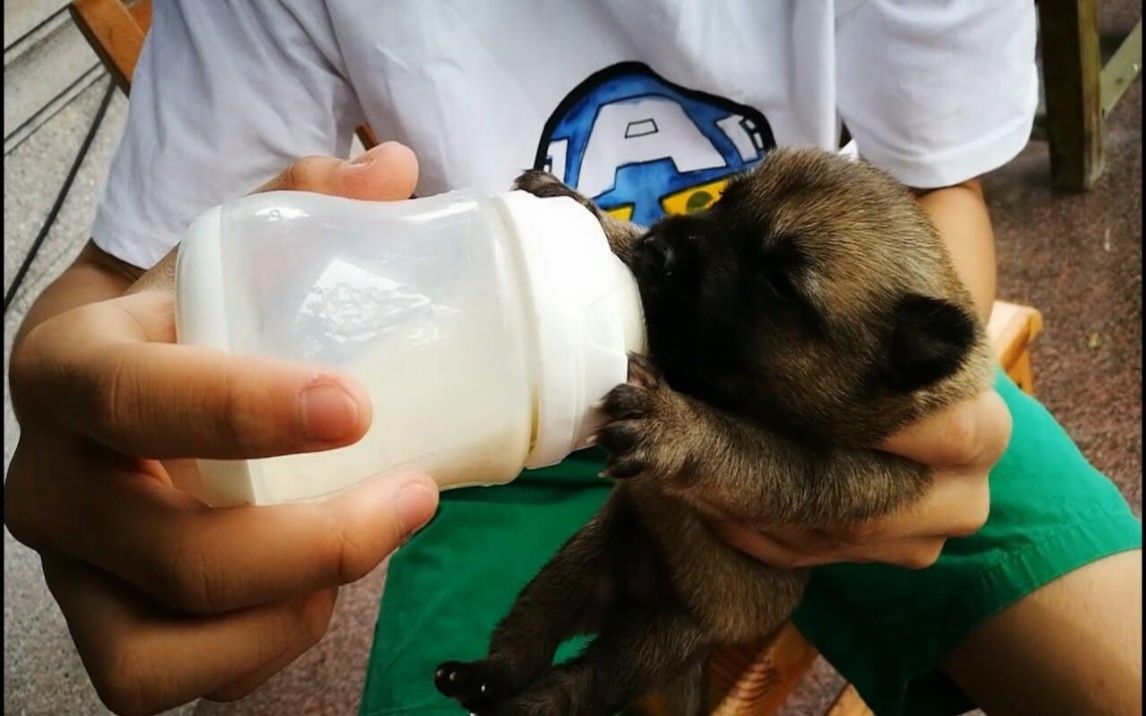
x=1072 y=67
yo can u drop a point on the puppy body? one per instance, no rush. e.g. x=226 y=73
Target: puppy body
x=811 y=312
x=708 y=577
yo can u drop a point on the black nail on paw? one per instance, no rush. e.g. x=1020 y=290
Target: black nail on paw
x=615 y=439
x=449 y=678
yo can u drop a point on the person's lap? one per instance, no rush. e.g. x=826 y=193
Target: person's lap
x=447 y=588
x=1088 y=661
x=886 y=629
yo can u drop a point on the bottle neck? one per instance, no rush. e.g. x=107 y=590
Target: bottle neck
x=584 y=316
x=631 y=309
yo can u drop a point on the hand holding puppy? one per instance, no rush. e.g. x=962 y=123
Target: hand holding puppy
x=962 y=443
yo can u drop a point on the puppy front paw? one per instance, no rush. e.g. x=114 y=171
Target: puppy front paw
x=646 y=426
x=545 y=185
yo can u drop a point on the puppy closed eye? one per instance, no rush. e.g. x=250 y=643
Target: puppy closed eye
x=779 y=286
x=779 y=265
x=783 y=277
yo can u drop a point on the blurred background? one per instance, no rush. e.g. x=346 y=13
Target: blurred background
x=1076 y=257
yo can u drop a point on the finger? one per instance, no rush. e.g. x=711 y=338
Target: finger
x=246 y=684
x=754 y=542
x=810 y=541
x=911 y=553
x=387 y=172
x=158 y=400
x=144 y=660
x=763 y=548
x=957 y=504
x=203 y=560
x=786 y=550
x=163 y=401
x=972 y=432
x=823 y=548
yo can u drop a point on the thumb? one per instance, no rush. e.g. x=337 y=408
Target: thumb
x=370 y=522
x=373 y=519
x=387 y=172
x=974 y=432
x=414 y=504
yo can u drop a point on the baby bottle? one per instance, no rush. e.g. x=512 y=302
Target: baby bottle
x=486 y=329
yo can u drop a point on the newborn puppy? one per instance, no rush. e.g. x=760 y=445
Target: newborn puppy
x=809 y=313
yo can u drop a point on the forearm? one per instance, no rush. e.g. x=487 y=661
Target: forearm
x=960 y=214
x=93 y=276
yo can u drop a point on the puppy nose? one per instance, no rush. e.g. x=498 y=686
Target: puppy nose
x=657 y=259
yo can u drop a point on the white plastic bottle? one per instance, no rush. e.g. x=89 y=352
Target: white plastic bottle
x=485 y=328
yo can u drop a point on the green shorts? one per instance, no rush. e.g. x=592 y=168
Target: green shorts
x=885 y=629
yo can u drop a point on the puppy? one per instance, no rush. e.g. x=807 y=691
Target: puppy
x=810 y=312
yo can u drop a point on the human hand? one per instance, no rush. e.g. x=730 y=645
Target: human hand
x=166 y=599
x=961 y=443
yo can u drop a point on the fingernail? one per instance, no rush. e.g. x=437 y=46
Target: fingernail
x=414 y=505
x=329 y=413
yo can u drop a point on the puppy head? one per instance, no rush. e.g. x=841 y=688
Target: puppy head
x=815 y=294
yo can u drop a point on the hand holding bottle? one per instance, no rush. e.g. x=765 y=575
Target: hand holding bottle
x=162 y=605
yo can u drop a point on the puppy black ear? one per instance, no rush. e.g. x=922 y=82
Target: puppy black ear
x=929 y=341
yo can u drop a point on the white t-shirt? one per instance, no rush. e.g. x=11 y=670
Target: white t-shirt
x=644 y=105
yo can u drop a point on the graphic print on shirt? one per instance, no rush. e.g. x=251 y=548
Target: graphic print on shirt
x=642 y=147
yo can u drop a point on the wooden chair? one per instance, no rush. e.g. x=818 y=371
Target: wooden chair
x=1080 y=91
x=747 y=680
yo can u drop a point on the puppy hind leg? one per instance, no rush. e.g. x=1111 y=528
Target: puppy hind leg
x=639 y=651
x=571 y=595
x=686 y=695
